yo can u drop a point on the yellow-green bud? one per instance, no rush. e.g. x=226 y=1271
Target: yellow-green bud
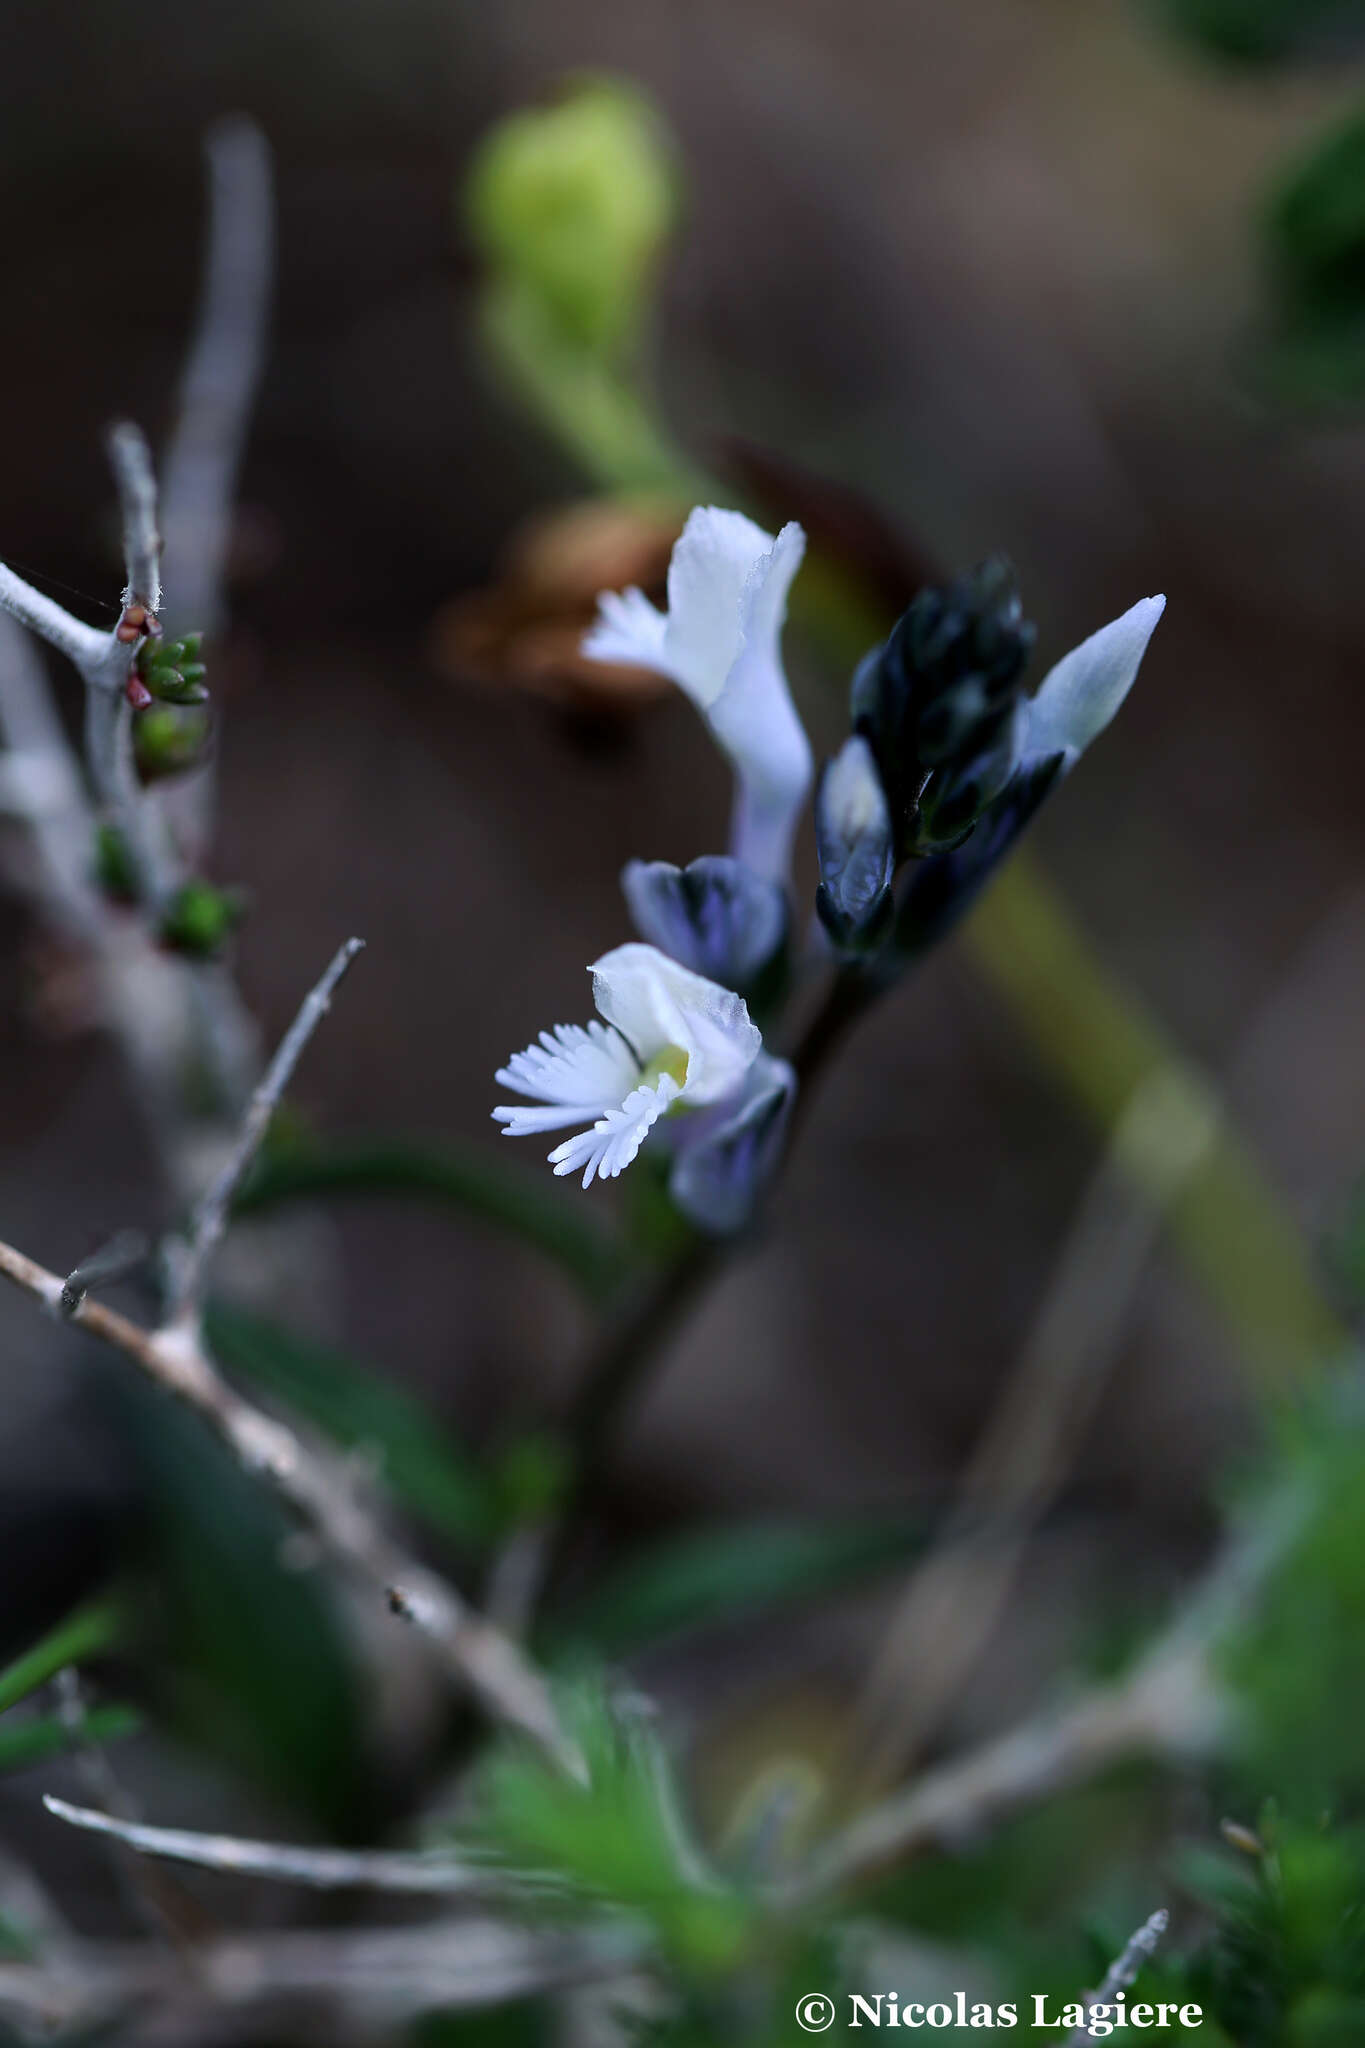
x=573 y=202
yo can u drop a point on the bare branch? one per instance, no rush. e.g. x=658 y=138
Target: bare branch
x=211 y=1218
x=433 y=1874
x=112 y=1261
x=1171 y=1705
x=84 y=645
x=1123 y=1971
x=45 y=787
x=131 y=459
x=957 y=1595
x=153 y=1895
x=222 y=371
x=364 y=1977
x=474 y=1653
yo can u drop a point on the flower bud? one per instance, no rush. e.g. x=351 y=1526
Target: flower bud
x=572 y=203
x=856 y=845
x=938 y=701
x=727 y=1157
x=115 y=871
x=200 y=918
x=944 y=887
x=715 y=916
x=169 y=740
x=172 y=671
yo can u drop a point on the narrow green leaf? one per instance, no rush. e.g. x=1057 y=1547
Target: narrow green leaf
x=85 y=1633
x=423 y=1466
x=708 y=1578
x=499 y=1193
x=254 y=1664
x=30 y=1741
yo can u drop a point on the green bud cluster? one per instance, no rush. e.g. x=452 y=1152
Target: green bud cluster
x=200 y=918
x=171 y=670
x=169 y=740
x=115 y=872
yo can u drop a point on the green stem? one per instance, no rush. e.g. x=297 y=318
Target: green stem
x=1227 y=1222
x=86 y=1633
x=631 y=1345
x=32 y=1741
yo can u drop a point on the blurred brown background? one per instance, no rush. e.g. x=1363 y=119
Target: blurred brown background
x=993 y=263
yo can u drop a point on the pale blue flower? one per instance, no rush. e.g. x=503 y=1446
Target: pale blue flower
x=719 y=640
x=670 y=1040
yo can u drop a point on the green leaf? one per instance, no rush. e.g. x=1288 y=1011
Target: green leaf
x=506 y=1196
x=256 y=1663
x=1264 y=31
x=86 y=1633
x=30 y=1741
x=613 y=1838
x=706 y=1578
x=423 y=1466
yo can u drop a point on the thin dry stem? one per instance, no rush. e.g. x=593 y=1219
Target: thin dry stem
x=474 y=1653
x=222 y=371
x=1123 y=1970
x=131 y=460
x=435 y=1875
x=211 y=1217
x=956 y=1597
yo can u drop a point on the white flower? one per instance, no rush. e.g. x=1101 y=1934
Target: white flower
x=1077 y=698
x=670 y=1037
x=719 y=641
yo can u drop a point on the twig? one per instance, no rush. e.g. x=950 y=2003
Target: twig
x=155 y=1005
x=1123 y=1971
x=131 y=461
x=86 y=646
x=364 y=1977
x=1171 y=1705
x=44 y=786
x=105 y=663
x=957 y=1595
x=162 y=1904
x=222 y=371
x=122 y=1255
x=435 y=1874
x=472 y=1651
x=211 y=1218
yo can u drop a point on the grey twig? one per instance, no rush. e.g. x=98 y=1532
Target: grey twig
x=366 y=1978
x=44 y=788
x=434 y=1874
x=1172 y=1704
x=112 y=1261
x=222 y=371
x=153 y=1896
x=84 y=645
x=131 y=460
x=1123 y=1971
x=1169 y=1707
x=210 y=1219
x=105 y=662
x=473 y=1653
x=957 y=1595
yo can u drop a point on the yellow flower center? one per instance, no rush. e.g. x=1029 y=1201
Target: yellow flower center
x=669 y=1059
